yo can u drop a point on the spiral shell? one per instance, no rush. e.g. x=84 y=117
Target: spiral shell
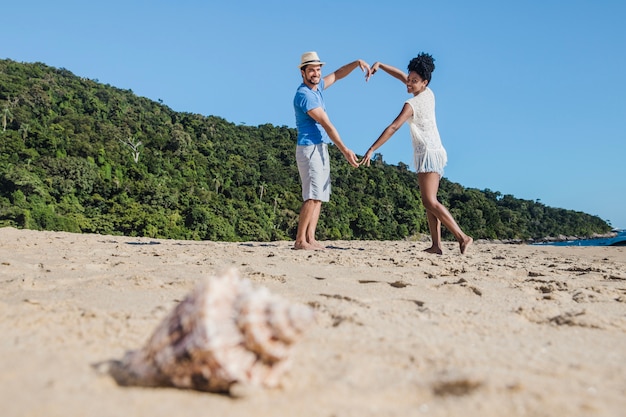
x=225 y=332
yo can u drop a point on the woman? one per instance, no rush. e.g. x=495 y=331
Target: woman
x=430 y=155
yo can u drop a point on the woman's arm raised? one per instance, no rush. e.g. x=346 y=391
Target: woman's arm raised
x=393 y=71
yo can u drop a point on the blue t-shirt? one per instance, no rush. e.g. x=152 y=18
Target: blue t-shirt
x=309 y=131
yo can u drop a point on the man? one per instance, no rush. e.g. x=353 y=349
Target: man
x=314 y=130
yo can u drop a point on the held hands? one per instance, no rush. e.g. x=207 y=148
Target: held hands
x=372 y=71
x=367 y=158
x=354 y=161
x=369 y=71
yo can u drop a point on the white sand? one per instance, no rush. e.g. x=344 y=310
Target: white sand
x=506 y=330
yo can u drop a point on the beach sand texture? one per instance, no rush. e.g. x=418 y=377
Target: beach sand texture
x=506 y=330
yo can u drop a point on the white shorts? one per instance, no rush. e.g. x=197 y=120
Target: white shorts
x=314 y=167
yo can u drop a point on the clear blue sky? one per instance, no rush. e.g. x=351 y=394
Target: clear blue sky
x=531 y=95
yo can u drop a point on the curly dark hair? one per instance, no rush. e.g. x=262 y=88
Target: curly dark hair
x=423 y=64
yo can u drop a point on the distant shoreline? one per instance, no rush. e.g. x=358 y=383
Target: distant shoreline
x=613 y=238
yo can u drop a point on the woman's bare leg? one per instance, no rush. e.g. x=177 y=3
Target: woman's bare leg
x=429 y=186
x=434 y=225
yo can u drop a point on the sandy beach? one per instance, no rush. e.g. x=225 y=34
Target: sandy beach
x=505 y=330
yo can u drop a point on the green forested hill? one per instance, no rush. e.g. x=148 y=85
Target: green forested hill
x=80 y=156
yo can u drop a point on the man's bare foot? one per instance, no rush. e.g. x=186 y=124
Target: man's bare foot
x=465 y=244
x=306 y=246
x=434 y=249
x=317 y=245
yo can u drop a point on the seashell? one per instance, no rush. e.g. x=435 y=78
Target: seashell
x=224 y=333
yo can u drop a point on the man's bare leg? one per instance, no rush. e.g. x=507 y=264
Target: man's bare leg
x=309 y=215
x=310 y=235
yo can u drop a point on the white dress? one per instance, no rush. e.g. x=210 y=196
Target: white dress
x=428 y=152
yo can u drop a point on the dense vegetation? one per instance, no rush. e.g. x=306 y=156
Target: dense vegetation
x=80 y=156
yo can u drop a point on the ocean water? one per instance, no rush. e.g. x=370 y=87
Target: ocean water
x=619 y=240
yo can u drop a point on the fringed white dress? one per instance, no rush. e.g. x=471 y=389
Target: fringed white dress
x=428 y=152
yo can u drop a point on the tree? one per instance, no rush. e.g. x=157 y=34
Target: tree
x=134 y=146
x=7 y=116
x=24 y=127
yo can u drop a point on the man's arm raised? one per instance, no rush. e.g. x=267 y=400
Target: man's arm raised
x=345 y=70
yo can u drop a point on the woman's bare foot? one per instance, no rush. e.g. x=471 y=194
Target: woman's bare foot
x=465 y=244
x=434 y=249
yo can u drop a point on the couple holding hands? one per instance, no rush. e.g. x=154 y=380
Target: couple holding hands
x=315 y=130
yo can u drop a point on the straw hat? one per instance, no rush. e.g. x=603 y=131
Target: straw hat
x=309 y=58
